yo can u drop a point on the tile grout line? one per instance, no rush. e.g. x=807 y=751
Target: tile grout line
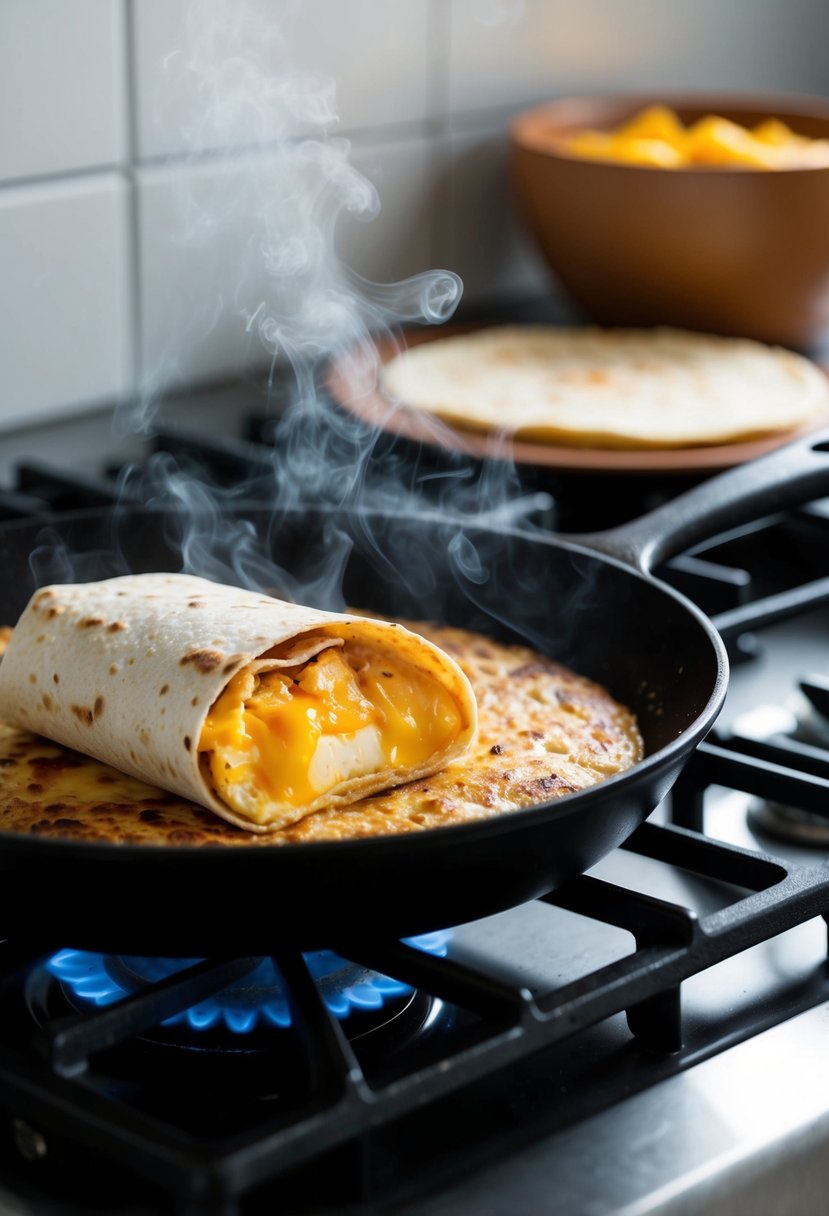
x=130 y=84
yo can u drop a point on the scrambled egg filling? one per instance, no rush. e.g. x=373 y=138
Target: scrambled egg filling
x=294 y=734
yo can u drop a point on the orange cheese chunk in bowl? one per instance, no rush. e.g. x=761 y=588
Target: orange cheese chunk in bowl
x=717 y=141
x=657 y=137
x=598 y=145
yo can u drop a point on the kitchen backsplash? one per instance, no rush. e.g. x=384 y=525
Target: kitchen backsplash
x=105 y=291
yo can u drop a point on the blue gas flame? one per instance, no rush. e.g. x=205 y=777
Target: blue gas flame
x=258 y=999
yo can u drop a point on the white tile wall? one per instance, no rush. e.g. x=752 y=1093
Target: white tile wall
x=226 y=241
x=201 y=272
x=63 y=99
x=128 y=256
x=511 y=52
x=399 y=240
x=485 y=240
x=285 y=66
x=65 y=340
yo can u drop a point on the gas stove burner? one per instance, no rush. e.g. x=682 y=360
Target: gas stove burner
x=791 y=824
x=794 y=734
x=247 y=1014
x=813 y=724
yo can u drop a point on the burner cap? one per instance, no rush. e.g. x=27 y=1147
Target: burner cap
x=801 y=728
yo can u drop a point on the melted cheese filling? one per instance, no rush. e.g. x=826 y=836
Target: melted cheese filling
x=292 y=735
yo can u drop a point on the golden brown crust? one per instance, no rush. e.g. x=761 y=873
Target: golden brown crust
x=543 y=732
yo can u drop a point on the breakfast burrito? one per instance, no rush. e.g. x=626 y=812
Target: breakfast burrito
x=261 y=710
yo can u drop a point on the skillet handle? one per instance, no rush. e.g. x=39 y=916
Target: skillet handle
x=786 y=477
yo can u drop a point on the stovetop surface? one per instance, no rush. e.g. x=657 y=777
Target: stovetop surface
x=734 y=1121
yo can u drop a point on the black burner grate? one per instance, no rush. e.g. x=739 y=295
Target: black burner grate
x=46 y=1072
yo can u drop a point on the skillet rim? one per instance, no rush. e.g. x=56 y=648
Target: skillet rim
x=564 y=806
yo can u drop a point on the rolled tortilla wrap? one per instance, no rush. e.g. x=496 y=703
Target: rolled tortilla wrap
x=261 y=710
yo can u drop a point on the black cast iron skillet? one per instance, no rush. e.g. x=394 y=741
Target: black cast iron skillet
x=591 y=602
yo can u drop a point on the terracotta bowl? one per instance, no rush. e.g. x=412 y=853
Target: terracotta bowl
x=726 y=250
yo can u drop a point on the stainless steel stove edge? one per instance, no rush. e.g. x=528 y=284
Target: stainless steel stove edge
x=744 y=1133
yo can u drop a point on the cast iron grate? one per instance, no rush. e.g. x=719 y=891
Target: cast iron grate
x=45 y=1081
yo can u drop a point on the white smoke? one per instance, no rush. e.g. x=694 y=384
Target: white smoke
x=269 y=182
x=278 y=178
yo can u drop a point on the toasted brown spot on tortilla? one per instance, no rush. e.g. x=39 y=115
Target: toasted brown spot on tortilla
x=232 y=663
x=55 y=678
x=48 y=703
x=188 y=742
x=203 y=660
x=41 y=637
x=56 y=610
x=83 y=713
x=144 y=736
x=496 y=749
x=113 y=669
x=117 y=626
x=89 y=622
x=195 y=603
x=32 y=678
x=163 y=690
x=98 y=707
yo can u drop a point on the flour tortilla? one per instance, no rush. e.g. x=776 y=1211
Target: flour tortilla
x=609 y=388
x=125 y=670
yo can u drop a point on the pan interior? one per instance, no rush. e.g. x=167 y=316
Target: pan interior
x=635 y=637
x=646 y=645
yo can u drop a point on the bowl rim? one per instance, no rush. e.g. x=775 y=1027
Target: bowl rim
x=531 y=128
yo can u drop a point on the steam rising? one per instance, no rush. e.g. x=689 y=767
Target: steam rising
x=273 y=196
x=284 y=188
